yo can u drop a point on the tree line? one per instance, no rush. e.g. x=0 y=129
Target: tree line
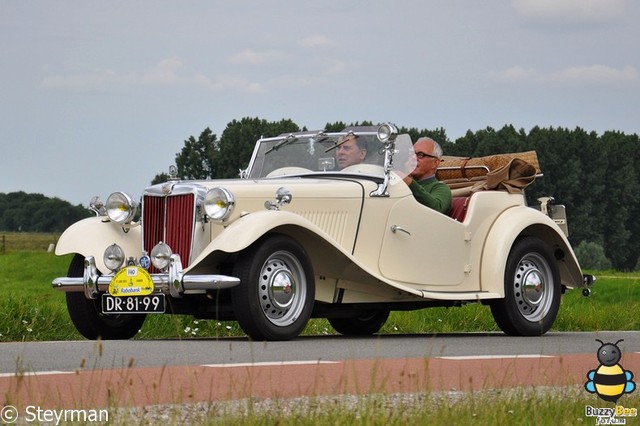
x=594 y=176
x=22 y=212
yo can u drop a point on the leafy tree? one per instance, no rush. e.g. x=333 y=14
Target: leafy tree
x=22 y=212
x=334 y=127
x=591 y=256
x=196 y=160
x=238 y=140
x=159 y=178
x=621 y=200
x=594 y=177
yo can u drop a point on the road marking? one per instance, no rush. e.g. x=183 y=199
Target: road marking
x=35 y=373
x=472 y=357
x=269 y=364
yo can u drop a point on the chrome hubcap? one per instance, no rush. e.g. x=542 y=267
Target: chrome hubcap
x=531 y=283
x=282 y=288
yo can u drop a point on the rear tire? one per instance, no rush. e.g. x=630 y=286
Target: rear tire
x=88 y=319
x=532 y=290
x=365 y=324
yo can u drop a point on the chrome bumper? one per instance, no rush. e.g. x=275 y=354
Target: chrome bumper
x=174 y=282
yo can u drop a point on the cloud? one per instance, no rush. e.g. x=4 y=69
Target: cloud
x=164 y=73
x=232 y=83
x=315 y=41
x=83 y=81
x=253 y=57
x=334 y=67
x=578 y=75
x=570 y=11
x=516 y=73
x=597 y=74
x=171 y=72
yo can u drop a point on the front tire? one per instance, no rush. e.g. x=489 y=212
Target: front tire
x=532 y=290
x=275 y=297
x=88 y=319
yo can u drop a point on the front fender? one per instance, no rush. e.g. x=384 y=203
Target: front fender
x=327 y=255
x=524 y=221
x=91 y=236
x=248 y=229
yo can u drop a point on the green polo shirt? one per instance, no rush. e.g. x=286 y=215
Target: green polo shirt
x=432 y=193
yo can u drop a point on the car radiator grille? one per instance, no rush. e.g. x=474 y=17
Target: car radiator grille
x=169 y=219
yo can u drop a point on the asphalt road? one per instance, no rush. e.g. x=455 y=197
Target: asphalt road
x=89 y=374
x=29 y=357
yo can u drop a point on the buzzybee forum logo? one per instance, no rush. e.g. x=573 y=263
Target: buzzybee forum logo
x=610 y=381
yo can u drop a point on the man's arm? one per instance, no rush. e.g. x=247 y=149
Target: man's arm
x=433 y=194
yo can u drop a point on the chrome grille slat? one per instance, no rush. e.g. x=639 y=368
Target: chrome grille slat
x=169 y=219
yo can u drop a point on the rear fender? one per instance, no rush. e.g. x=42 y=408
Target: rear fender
x=91 y=236
x=525 y=221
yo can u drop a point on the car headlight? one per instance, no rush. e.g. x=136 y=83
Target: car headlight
x=161 y=255
x=219 y=204
x=121 y=208
x=387 y=132
x=113 y=257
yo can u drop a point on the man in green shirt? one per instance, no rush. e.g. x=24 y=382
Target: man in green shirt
x=422 y=180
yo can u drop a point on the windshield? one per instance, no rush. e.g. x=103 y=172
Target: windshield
x=345 y=152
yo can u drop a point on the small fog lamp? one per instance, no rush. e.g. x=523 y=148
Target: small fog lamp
x=113 y=257
x=161 y=255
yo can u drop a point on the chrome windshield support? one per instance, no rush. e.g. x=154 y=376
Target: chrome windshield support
x=387 y=134
x=381 y=191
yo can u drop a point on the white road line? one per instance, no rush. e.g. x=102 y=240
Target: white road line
x=472 y=357
x=35 y=373
x=269 y=364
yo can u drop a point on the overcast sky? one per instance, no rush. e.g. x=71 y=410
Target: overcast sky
x=99 y=96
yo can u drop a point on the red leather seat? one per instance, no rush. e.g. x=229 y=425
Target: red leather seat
x=459 y=208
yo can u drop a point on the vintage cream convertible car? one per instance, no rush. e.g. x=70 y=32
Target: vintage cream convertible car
x=295 y=238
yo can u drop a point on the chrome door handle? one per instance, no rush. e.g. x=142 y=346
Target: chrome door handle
x=396 y=228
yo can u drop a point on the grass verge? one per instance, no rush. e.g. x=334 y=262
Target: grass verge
x=31 y=310
x=539 y=406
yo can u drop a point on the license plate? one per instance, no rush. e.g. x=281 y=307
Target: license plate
x=152 y=304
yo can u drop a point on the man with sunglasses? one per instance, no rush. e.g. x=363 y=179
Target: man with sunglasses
x=422 y=180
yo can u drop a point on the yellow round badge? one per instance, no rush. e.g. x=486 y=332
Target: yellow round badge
x=131 y=281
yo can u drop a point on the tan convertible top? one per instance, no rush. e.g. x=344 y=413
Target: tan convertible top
x=511 y=172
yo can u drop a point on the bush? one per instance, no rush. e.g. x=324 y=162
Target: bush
x=591 y=256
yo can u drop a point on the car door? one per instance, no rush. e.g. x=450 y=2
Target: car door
x=424 y=248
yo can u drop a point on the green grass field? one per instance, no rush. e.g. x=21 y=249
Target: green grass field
x=32 y=310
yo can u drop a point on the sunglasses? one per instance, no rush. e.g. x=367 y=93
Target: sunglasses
x=421 y=155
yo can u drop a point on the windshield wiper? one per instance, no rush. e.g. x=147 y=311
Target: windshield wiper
x=286 y=141
x=345 y=138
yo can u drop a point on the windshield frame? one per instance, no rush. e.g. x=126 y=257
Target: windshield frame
x=383 y=156
x=323 y=142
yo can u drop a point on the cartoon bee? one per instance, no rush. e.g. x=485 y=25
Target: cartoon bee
x=609 y=381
